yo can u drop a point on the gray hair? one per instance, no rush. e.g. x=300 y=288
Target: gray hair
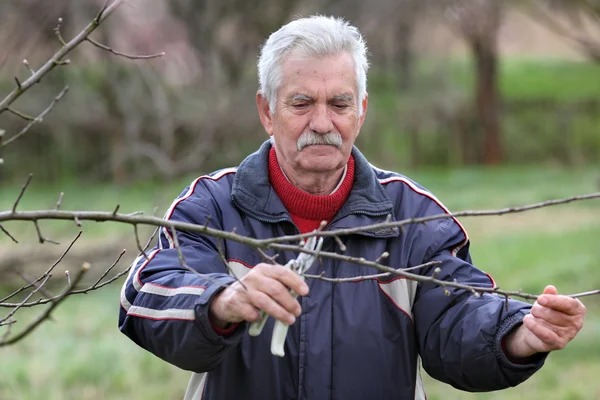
x=315 y=36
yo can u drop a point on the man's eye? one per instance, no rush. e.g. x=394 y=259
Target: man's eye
x=300 y=105
x=340 y=106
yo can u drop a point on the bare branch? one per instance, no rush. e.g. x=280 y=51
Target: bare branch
x=8 y=234
x=108 y=270
x=137 y=238
x=276 y=243
x=134 y=218
x=48 y=271
x=95 y=286
x=151 y=238
x=18 y=306
x=26 y=63
x=31 y=283
x=23 y=188
x=118 y=53
x=58 y=56
x=39 y=118
x=59 y=201
x=366 y=277
x=182 y=258
x=20 y=114
x=58 y=34
x=224 y=260
x=46 y=314
x=585 y=294
x=41 y=238
x=340 y=244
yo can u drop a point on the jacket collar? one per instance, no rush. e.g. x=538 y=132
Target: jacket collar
x=253 y=194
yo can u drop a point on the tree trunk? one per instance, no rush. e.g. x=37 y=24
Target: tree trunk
x=488 y=98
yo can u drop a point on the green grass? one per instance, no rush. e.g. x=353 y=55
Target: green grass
x=82 y=355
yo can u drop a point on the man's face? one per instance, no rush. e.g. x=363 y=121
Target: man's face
x=316 y=120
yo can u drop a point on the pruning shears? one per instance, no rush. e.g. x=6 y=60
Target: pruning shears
x=299 y=265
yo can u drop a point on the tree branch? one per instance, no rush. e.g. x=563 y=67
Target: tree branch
x=46 y=314
x=37 y=119
x=22 y=87
x=118 y=53
x=48 y=271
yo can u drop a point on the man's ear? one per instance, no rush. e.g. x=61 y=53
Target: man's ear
x=365 y=104
x=264 y=112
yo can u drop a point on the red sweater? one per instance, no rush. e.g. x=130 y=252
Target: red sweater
x=308 y=210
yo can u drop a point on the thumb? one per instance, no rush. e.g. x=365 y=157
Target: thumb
x=550 y=290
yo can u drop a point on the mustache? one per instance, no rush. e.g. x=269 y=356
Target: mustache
x=309 y=138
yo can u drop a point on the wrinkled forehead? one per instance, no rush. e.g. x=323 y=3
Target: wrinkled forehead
x=334 y=75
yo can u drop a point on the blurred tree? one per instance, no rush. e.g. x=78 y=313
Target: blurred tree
x=577 y=20
x=478 y=22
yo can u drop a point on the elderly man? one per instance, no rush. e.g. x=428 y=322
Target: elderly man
x=356 y=340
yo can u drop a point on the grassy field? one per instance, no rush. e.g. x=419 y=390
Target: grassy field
x=82 y=355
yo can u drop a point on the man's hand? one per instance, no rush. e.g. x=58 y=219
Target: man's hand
x=553 y=322
x=268 y=290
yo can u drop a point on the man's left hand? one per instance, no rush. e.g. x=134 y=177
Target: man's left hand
x=553 y=322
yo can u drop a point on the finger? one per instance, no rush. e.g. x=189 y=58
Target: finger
x=248 y=312
x=281 y=294
x=286 y=276
x=544 y=333
x=264 y=302
x=552 y=316
x=563 y=304
x=550 y=290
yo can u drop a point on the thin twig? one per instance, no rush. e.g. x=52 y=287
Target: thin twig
x=409 y=221
x=30 y=295
x=41 y=238
x=59 y=201
x=340 y=244
x=39 y=118
x=137 y=240
x=118 y=53
x=224 y=260
x=22 y=87
x=107 y=271
x=8 y=329
x=182 y=258
x=268 y=258
x=46 y=314
x=23 y=188
x=95 y=286
x=58 y=34
x=20 y=114
x=68 y=275
x=8 y=234
x=585 y=294
x=31 y=283
x=366 y=277
x=26 y=63
x=151 y=238
x=48 y=271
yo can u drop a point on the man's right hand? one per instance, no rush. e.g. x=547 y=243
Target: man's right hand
x=268 y=289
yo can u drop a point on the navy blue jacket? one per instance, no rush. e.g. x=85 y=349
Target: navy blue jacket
x=357 y=340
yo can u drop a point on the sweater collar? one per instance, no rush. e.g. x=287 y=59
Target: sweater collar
x=306 y=205
x=253 y=194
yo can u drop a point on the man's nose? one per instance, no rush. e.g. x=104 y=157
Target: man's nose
x=320 y=121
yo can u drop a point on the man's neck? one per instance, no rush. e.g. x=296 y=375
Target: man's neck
x=337 y=186
x=318 y=184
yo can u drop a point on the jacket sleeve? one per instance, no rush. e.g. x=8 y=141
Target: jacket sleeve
x=164 y=306
x=460 y=335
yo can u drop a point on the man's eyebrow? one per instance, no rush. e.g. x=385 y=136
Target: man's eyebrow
x=299 y=97
x=346 y=98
